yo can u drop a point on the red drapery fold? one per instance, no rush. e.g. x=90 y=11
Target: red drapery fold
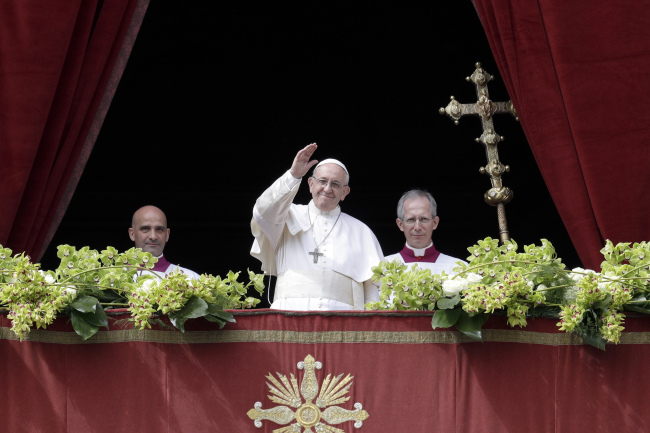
x=576 y=74
x=61 y=63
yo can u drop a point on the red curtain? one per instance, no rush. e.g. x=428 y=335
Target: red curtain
x=61 y=62
x=577 y=74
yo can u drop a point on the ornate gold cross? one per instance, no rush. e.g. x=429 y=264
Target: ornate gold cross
x=498 y=195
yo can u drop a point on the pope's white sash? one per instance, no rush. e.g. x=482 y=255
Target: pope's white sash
x=319 y=284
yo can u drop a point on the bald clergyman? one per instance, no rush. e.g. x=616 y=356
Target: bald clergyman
x=323 y=258
x=150 y=233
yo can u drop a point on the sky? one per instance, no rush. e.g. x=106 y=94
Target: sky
x=217 y=98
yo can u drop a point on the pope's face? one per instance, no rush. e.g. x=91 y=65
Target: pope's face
x=329 y=187
x=149 y=231
x=418 y=233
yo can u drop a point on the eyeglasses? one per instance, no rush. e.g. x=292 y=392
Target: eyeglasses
x=412 y=221
x=324 y=182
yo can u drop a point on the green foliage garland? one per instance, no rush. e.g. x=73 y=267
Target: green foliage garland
x=87 y=282
x=500 y=279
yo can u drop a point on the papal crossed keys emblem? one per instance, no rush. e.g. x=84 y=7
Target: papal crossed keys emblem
x=308 y=414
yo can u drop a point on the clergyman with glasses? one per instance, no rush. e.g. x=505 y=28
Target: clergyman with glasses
x=321 y=256
x=417 y=217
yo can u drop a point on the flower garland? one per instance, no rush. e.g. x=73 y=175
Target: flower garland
x=87 y=282
x=499 y=278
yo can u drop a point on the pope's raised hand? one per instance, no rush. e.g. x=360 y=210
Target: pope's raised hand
x=301 y=163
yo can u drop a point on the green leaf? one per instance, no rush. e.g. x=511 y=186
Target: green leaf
x=545 y=312
x=220 y=313
x=445 y=318
x=109 y=296
x=211 y=318
x=193 y=308
x=178 y=322
x=471 y=325
x=591 y=338
x=448 y=303
x=637 y=309
x=603 y=304
x=96 y=291
x=98 y=317
x=84 y=303
x=95 y=318
x=81 y=325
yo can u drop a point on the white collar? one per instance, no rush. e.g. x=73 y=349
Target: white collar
x=314 y=211
x=419 y=251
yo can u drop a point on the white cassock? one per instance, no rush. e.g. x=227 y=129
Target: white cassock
x=337 y=276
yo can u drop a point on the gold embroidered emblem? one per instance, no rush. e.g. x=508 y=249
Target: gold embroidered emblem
x=308 y=414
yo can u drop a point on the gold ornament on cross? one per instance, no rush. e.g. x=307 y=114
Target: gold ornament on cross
x=498 y=195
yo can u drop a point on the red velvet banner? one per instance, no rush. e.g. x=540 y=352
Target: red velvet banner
x=407 y=377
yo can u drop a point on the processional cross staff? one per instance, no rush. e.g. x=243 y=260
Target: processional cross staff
x=498 y=195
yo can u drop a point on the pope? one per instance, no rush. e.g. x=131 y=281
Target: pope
x=322 y=257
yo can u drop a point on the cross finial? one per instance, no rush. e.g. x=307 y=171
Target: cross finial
x=498 y=195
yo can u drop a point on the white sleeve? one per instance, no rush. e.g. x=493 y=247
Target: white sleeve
x=272 y=208
x=270 y=215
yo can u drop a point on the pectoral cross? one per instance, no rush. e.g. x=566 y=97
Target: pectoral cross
x=315 y=253
x=498 y=195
